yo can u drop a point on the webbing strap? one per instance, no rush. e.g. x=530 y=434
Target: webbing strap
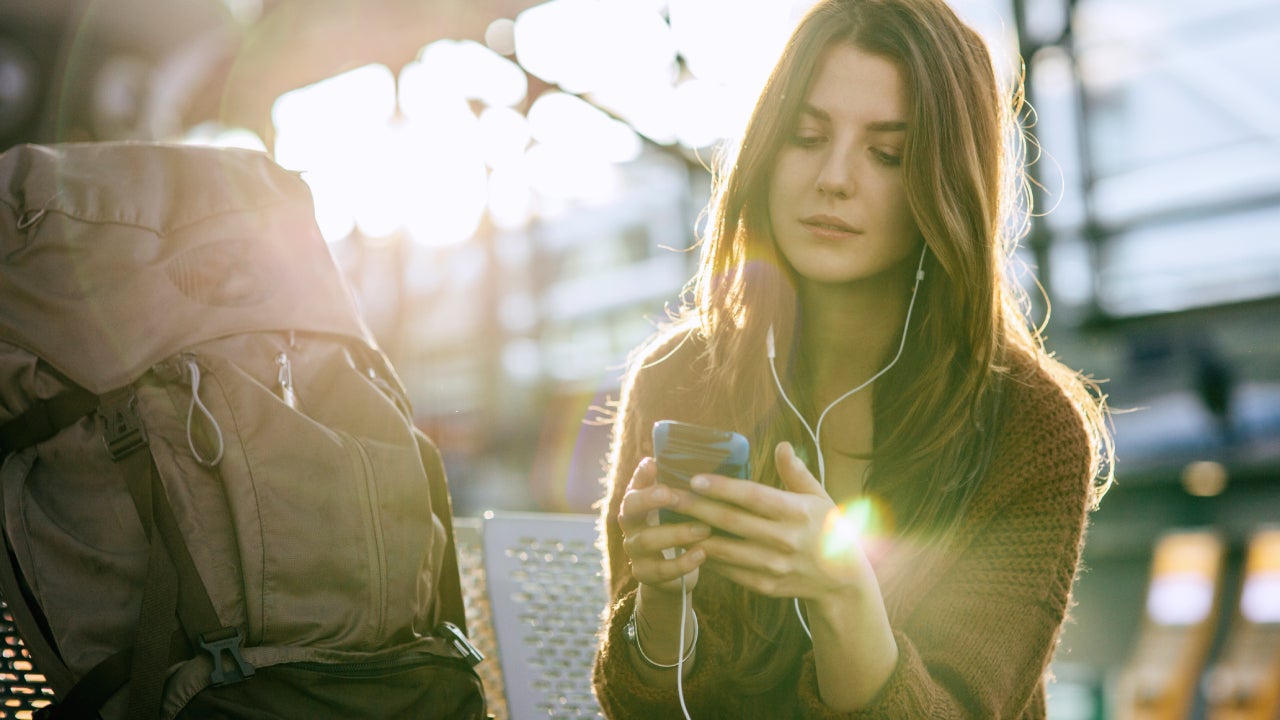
x=157 y=618
x=92 y=690
x=97 y=686
x=195 y=609
x=46 y=418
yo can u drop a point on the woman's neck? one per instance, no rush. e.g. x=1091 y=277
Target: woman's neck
x=851 y=330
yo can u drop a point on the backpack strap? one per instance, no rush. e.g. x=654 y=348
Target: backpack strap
x=46 y=418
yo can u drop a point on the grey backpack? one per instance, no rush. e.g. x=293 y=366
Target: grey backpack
x=213 y=497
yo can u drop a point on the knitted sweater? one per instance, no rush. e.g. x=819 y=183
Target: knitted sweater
x=975 y=632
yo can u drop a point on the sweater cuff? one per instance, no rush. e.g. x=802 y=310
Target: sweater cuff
x=619 y=687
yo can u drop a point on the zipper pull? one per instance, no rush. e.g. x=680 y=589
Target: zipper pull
x=285 y=378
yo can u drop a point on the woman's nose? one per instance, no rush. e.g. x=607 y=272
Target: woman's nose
x=835 y=179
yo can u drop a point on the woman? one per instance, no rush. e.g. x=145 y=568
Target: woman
x=853 y=318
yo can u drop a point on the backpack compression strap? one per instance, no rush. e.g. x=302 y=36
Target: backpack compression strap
x=46 y=418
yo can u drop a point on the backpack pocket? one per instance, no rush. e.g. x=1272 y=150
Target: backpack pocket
x=322 y=491
x=421 y=686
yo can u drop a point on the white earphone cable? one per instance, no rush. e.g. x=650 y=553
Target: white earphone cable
x=684 y=612
x=815 y=431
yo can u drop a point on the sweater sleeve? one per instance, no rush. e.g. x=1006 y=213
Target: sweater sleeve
x=620 y=689
x=978 y=644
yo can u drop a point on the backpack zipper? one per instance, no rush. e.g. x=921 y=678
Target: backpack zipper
x=284 y=378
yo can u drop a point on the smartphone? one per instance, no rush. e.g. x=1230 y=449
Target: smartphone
x=683 y=450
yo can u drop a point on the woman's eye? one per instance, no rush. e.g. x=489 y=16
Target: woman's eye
x=806 y=139
x=887 y=159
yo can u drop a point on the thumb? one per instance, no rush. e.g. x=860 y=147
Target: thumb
x=795 y=476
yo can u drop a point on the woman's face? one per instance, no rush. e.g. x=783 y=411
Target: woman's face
x=837 y=205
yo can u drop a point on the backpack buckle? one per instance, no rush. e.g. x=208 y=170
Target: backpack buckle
x=122 y=429
x=229 y=640
x=460 y=642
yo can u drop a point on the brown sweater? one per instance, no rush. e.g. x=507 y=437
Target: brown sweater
x=975 y=632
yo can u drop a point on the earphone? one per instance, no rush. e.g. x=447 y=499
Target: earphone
x=771 y=352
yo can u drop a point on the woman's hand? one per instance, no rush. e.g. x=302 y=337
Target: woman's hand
x=779 y=551
x=645 y=541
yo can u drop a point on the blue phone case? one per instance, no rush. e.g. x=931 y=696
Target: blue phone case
x=683 y=450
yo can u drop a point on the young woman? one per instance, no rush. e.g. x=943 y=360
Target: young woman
x=922 y=469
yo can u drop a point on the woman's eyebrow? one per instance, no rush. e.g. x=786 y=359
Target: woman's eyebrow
x=887 y=126
x=815 y=112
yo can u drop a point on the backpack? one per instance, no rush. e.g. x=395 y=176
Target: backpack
x=214 y=499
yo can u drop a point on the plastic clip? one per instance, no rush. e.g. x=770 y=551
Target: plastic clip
x=122 y=429
x=220 y=641
x=460 y=643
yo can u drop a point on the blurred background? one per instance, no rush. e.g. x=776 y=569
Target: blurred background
x=513 y=189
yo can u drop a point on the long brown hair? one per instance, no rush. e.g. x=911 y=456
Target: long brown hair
x=963 y=174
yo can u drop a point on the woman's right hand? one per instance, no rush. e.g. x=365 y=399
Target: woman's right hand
x=644 y=540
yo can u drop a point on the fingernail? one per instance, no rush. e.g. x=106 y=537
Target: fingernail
x=660 y=495
x=697 y=554
x=699 y=482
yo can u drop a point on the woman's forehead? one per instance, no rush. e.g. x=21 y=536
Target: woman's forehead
x=854 y=85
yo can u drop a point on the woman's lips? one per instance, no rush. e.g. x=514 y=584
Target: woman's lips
x=829 y=228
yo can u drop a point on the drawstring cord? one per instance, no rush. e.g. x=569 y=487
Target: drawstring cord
x=194 y=370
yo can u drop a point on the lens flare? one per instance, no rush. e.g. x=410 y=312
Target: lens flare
x=860 y=526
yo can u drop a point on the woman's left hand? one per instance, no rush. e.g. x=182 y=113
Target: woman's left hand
x=779 y=548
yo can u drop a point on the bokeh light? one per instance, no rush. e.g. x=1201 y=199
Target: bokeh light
x=577 y=126
x=463 y=69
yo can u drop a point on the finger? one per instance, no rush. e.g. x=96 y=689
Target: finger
x=640 y=507
x=738 y=520
x=748 y=495
x=645 y=475
x=651 y=541
x=642 y=497
x=659 y=570
x=763 y=584
x=795 y=476
x=749 y=556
